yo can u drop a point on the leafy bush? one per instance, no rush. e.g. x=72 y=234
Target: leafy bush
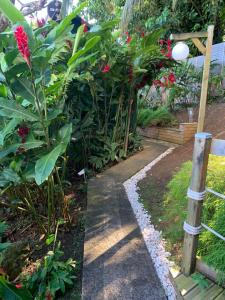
x=52 y=276
x=3 y=245
x=210 y=247
x=148 y=117
x=102 y=97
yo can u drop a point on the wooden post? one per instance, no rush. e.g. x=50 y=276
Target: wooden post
x=205 y=79
x=199 y=171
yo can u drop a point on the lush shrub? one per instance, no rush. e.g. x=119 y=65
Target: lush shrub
x=150 y=117
x=51 y=277
x=210 y=247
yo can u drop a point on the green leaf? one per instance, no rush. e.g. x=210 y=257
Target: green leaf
x=45 y=165
x=10 y=292
x=10 y=175
x=3 y=62
x=59 y=30
x=83 y=59
x=11 y=12
x=88 y=46
x=3 y=91
x=27 y=146
x=65 y=135
x=10 y=149
x=50 y=239
x=12 y=110
x=8 y=128
x=4 y=246
x=22 y=87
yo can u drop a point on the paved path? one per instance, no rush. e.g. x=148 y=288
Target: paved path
x=117 y=265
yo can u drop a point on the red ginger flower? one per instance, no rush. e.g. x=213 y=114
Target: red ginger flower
x=106 y=69
x=172 y=78
x=85 y=28
x=22 y=43
x=23 y=132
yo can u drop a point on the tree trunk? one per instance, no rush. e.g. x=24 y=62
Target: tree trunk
x=26 y=9
x=127 y=14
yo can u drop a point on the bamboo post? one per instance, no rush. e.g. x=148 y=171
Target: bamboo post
x=198 y=179
x=205 y=79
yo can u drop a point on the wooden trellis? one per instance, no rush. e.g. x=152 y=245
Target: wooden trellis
x=204 y=145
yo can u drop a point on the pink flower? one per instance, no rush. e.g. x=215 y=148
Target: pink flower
x=19 y=286
x=106 y=69
x=41 y=22
x=22 y=43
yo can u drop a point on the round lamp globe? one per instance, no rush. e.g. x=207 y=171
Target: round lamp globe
x=180 y=51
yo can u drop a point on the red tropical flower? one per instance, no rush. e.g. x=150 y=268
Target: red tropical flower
x=106 y=69
x=19 y=286
x=48 y=296
x=23 y=131
x=142 y=34
x=160 y=65
x=172 y=78
x=157 y=82
x=85 y=28
x=22 y=43
x=128 y=39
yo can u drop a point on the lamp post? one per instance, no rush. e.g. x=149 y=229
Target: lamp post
x=181 y=51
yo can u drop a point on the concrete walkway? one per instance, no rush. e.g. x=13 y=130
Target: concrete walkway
x=117 y=265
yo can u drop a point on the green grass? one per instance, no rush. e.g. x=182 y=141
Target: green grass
x=159 y=117
x=210 y=248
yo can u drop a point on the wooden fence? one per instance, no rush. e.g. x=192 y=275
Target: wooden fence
x=204 y=145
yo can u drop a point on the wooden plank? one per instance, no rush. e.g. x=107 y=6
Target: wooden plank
x=197 y=293
x=188 y=35
x=174 y=272
x=199 y=45
x=209 y=272
x=185 y=284
x=218 y=147
x=198 y=179
x=214 y=291
x=205 y=79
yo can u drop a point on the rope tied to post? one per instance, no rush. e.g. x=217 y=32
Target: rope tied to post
x=198 y=196
x=191 y=229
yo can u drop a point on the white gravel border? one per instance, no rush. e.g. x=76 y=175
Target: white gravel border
x=152 y=237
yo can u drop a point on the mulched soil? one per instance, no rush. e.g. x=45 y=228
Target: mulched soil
x=22 y=229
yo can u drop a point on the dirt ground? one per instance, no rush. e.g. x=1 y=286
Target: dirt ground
x=215 y=124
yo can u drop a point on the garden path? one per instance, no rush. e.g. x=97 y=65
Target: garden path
x=117 y=264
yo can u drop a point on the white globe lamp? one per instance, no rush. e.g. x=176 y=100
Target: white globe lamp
x=180 y=51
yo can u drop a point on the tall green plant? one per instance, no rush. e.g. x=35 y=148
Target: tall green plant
x=35 y=131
